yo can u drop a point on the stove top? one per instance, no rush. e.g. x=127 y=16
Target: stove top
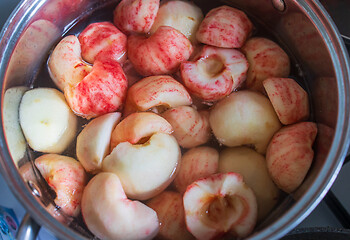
x=332 y=212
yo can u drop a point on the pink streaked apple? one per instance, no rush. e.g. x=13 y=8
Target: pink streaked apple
x=159 y=54
x=191 y=128
x=220 y=204
x=109 y=214
x=145 y=169
x=103 y=40
x=196 y=163
x=288 y=98
x=90 y=91
x=135 y=16
x=266 y=59
x=214 y=73
x=181 y=15
x=244 y=118
x=66 y=176
x=138 y=127
x=290 y=154
x=156 y=92
x=170 y=211
x=225 y=27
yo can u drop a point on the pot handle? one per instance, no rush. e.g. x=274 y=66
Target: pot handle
x=29 y=229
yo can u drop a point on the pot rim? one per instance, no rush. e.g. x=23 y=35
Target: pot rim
x=301 y=209
x=326 y=177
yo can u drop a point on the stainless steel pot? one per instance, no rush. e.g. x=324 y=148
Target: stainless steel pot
x=302 y=27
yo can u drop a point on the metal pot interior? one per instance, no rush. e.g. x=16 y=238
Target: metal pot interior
x=302 y=28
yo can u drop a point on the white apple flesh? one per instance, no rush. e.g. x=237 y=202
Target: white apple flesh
x=93 y=141
x=183 y=16
x=244 y=118
x=109 y=214
x=138 y=127
x=13 y=132
x=146 y=169
x=47 y=122
x=252 y=166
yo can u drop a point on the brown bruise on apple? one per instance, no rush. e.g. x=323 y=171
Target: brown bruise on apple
x=290 y=154
x=156 y=92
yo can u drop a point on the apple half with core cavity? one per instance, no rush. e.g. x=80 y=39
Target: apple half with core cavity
x=159 y=54
x=191 y=127
x=214 y=73
x=109 y=214
x=252 y=166
x=138 y=127
x=94 y=140
x=66 y=176
x=289 y=155
x=145 y=169
x=156 y=93
x=196 y=163
x=266 y=59
x=288 y=98
x=224 y=27
x=244 y=118
x=47 y=122
x=220 y=204
x=171 y=215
